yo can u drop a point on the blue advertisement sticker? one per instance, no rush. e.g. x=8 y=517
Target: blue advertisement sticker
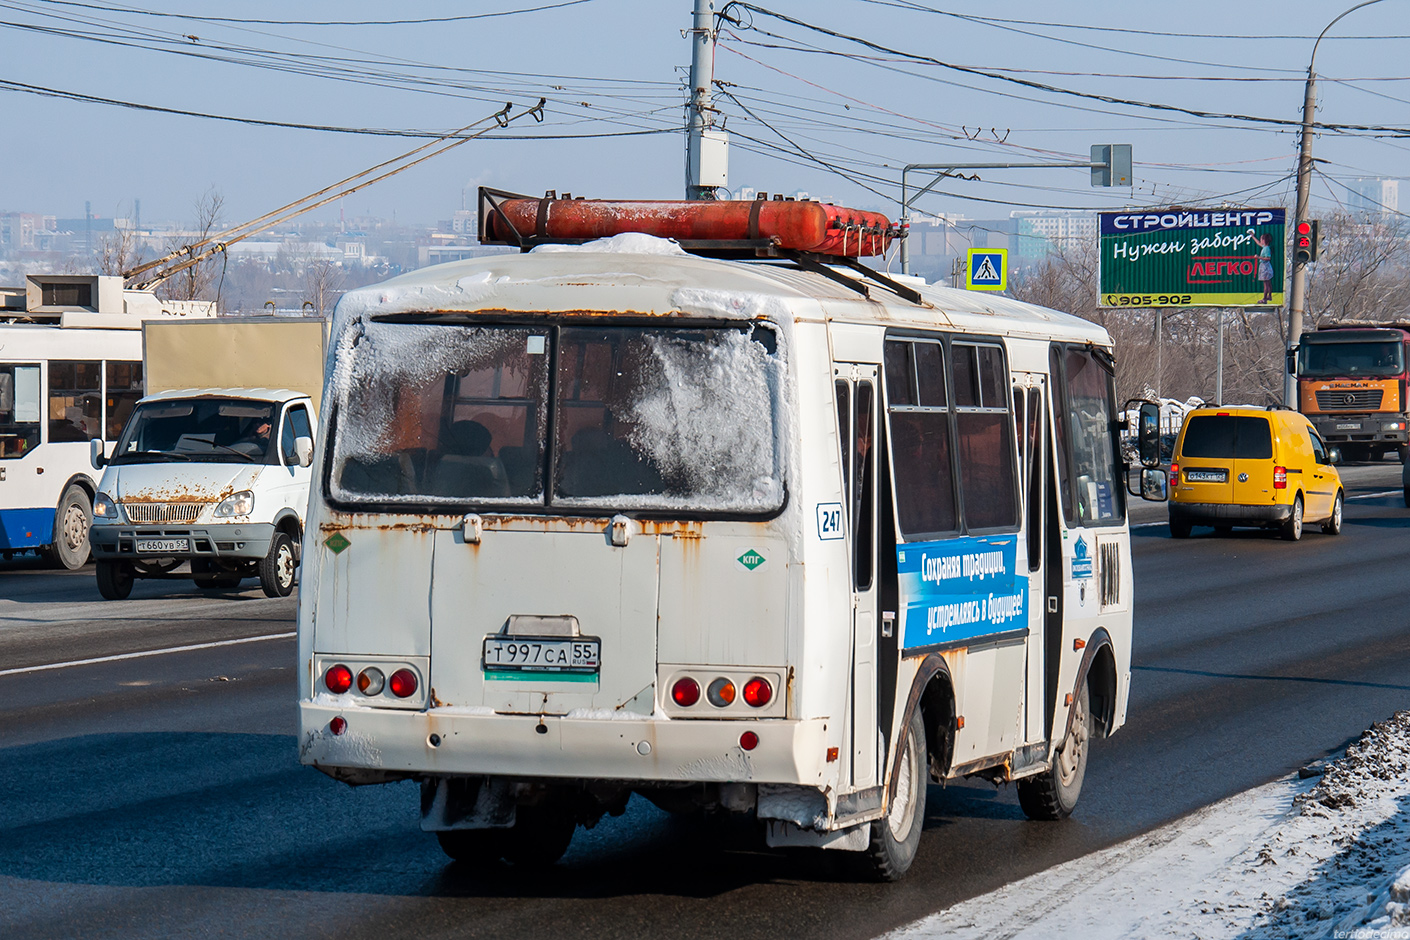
x=960 y=589
x=1081 y=560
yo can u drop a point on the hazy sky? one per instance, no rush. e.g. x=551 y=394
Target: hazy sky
x=616 y=66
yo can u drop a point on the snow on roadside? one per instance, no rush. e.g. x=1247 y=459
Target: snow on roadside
x=1296 y=858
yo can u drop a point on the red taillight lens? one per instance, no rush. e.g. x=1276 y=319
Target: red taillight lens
x=1280 y=478
x=749 y=740
x=338 y=679
x=686 y=692
x=338 y=725
x=403 y=683
x=758 y=692
x=1174 y=474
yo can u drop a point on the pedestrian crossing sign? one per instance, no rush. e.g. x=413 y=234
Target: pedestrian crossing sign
x=988 y=269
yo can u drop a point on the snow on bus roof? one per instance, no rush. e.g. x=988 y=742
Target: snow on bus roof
x=645 y=275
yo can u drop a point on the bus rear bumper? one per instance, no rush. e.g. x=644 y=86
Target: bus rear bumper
x=389 y=743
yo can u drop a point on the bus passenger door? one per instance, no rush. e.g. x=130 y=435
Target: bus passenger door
x=856 y=393
x=1030 y=396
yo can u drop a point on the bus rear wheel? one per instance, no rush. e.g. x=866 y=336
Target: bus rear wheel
x=477 y=847
x=895 y=838
x=1053 y=794
x=70 y=547
x=115 y=579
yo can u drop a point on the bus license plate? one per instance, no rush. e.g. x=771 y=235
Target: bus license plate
x=541 y=654
x=163 y=545
x=1206 y=476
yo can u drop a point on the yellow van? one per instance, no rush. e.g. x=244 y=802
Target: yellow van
x=1250 y=467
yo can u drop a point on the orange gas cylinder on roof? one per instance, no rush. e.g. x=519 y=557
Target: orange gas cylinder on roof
x=793 y=225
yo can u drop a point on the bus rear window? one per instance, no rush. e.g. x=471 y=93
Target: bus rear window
x=600 y=418
x=1228 y=437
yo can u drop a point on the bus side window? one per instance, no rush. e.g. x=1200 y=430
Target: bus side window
x=1059 y=387
x=985 y=439
x=920 y=439
x=19 y=410
x=865 y=476
x=75 y=401
x=1033 y=435
x=844 y=438
x=1090 y=394
x=124 y=387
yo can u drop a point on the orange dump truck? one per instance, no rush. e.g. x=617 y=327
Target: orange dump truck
x=1351 y=385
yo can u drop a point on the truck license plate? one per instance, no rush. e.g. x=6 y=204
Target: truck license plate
x=163 y=545
x=1206 y=476
x=541 y=654
x=1354 y=426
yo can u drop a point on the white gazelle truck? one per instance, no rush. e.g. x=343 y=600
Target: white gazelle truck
x=726 y=521
x=212 y=467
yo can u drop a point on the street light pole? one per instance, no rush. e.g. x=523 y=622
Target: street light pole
x=1297 y=300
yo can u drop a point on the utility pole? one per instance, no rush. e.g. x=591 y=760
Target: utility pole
x=1297 y=300
x=707 y=149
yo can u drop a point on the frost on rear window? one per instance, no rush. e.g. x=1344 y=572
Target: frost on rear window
x=667 y=419
x=431 y=414
x=641 y=418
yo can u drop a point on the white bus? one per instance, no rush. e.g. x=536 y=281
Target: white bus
x=616 y=519
x=70 y=373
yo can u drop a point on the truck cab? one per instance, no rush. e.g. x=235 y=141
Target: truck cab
x=215 y=477
x=1351 y=386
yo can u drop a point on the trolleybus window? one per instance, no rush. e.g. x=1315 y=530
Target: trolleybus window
x=640 y=418
x=19 y=410
x=123 y=390
x=75 y=401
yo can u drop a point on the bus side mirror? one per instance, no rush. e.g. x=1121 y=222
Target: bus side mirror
x=95 y=454
x=303 y=450
x=1148 y=436
x=1154 y=485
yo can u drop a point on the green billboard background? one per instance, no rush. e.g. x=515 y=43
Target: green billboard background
x=1188 y=257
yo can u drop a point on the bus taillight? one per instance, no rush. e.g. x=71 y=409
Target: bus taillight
x=403 y=683
x=686 y=692
x=758 y=692
x=721 y=693
x=338 y=679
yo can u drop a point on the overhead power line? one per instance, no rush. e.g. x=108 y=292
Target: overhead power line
x=108 y=8
x=1042 y=86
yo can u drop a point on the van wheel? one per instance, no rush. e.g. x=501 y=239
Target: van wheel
x=1407 y=497
x=70 y=547
x=1292 y=529
x=1402 y=452
x=1179 y=528
x=895 y=838
x=115 y=579
x=540 y=834
x=477 y=847
x=1333 y=525
x=276 y=570
x=1053 y=794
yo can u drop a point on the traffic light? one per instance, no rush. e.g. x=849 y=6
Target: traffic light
x=1305 y=241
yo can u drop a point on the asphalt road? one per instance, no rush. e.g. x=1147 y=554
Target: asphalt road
x=160 y=796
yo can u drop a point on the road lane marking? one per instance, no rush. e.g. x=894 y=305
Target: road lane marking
x=145 y=653
x=1376 y=495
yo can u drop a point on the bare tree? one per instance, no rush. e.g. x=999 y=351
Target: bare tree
x=197 y=281
x=323 y=281
x=1361 y=270
x=120 y=251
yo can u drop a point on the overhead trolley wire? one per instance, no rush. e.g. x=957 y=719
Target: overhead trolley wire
x=107 y=8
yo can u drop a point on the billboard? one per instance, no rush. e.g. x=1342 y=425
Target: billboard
x=1191 y=257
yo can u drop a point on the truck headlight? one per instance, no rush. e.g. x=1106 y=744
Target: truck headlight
x=1394 y=426
x=236 y=504
x=104 y=509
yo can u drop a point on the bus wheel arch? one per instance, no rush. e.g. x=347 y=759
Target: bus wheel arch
x=934 y=694
x=1099 y=673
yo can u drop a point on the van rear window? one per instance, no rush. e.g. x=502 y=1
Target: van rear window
x=1228 y=437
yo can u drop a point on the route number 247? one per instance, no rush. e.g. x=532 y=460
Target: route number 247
x=830 y=522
